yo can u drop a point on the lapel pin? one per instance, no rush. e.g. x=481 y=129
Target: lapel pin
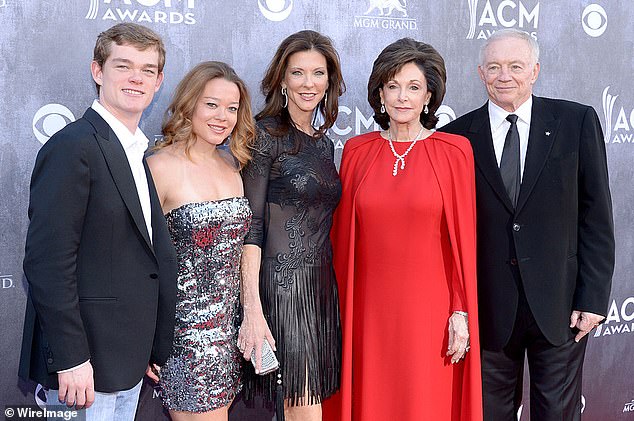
x=547 y=133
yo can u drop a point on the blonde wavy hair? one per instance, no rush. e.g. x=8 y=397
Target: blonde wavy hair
x=177 y=124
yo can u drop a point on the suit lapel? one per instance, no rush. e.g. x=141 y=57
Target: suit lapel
x=542 y=134
x=484 y=154
x=155 y=204
x=120 y=171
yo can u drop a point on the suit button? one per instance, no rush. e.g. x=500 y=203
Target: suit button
x=50 y=361
x=516 y=227
x=514 y=261
x=153 y=275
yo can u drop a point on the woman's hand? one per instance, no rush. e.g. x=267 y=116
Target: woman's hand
x=458 y=336
x=253 y=331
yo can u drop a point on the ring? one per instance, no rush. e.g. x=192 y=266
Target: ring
x=467 y=348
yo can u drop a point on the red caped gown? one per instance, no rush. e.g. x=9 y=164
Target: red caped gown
x=405 y=260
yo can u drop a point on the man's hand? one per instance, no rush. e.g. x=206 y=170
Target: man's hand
x=77 y=387
x=585 y=322
x=153 y=371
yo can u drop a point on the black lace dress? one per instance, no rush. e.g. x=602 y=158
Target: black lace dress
x=293 y=197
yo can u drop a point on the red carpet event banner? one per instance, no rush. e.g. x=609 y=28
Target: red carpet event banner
x=587 y=56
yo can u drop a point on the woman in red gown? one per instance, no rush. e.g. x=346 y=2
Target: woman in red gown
x=404 y=240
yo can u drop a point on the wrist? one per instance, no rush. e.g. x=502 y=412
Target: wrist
x=68 y=370
x=252 y=309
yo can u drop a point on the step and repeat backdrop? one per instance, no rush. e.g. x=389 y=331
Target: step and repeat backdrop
x=587 y=55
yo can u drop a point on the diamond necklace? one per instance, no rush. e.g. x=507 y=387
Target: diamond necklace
x=401 y=158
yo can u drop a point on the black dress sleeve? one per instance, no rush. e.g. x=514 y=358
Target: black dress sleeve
x=255 y=176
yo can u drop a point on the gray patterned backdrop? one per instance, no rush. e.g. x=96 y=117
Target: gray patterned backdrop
x=587 y=56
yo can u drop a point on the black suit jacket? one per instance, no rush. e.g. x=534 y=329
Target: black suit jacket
x=98 y=288
x=560 y=236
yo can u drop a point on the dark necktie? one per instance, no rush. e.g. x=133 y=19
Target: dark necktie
x=510 y=162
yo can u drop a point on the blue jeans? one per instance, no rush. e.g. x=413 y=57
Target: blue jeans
x=107 y=406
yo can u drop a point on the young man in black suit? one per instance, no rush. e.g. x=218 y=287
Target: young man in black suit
x=99 y=261
x=545 y=233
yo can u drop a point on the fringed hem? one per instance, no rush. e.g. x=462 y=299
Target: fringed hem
x=305 y=322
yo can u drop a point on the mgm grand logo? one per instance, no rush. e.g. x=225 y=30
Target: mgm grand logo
x=386 y=14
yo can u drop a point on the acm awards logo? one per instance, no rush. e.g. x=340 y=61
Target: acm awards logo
x=594 y=20
x=619 y=125
x=3 y=3
x=619 y=319
x=445 y=115
x=386 y=14
x=629 y=406
x=50 y=119
x=500 y=14
x=276 y=10
x=143 y=11
x=354 y=122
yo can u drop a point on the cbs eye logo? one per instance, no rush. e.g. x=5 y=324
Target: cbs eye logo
x=40 y=396
x=276 y=10
x=594 y=20
x=445 y=115
x=50 y=119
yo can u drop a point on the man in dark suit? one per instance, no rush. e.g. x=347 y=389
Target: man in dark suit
x=545 y=233
x=99 y=261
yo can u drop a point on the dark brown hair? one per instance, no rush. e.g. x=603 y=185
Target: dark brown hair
x=128 y=33
x=177 y=124
x=391 y=61
x=272 y=82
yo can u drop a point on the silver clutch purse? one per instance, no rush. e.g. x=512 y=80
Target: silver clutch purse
x=269 y=360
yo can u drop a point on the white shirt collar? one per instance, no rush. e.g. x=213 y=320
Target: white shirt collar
x=497 y=114
x=127 y=139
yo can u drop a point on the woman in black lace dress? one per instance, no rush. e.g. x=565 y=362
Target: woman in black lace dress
x=289 y=287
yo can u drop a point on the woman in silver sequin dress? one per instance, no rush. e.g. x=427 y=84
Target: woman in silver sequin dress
x=201 y=193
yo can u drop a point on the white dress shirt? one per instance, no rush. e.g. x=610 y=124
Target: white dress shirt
x=500 y=126
x=134 y=146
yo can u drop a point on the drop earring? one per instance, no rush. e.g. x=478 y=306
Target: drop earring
x=426 y=109
x=382 y=108
x=285 y=98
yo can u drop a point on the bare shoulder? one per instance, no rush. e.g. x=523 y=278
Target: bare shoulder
x=228 y=161
x=166 y=168
x=165 y=159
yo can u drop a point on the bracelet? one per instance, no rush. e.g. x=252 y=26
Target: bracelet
x=462 y=313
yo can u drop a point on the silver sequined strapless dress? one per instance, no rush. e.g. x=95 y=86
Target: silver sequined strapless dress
x=203 y=371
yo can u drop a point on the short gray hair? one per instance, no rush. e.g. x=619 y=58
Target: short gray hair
x=511 y=33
